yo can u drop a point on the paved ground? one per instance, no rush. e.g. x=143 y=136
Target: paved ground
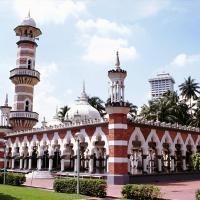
x=173 y=191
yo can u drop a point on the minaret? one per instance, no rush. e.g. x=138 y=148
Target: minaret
x=24 y=76
x=117 y=110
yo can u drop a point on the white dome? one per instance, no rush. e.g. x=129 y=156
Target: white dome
x=28 y=21
x=82 y=110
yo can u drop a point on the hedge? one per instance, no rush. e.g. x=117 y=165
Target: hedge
x=13 y=178
x=89 y=187
x=141 y=192
x=197 y=194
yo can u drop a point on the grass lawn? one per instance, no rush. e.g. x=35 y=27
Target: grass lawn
x=25 y=193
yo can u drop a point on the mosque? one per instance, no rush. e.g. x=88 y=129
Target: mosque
x=115 y=146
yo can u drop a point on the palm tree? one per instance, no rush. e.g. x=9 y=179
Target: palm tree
x=62 y=112
x=98 y=104
x=195 y=120
x=189 y=89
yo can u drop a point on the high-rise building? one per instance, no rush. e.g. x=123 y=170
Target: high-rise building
x=161 y=84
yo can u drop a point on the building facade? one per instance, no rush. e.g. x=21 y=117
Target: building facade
x=115 y=147
x=161 y=84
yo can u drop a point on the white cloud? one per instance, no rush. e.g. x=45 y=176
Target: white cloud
x=45 y=99
x=49 y=11
x=146 y=8
x=102 y=26
x=102 y=50
x=183 y=59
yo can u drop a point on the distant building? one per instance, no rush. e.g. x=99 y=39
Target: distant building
x=161 y=84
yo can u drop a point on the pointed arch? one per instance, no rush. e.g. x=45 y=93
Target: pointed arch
x=153 y=135
x=136 y=133
x=99 y=132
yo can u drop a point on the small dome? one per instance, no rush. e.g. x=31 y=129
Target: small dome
x=82 y=110
x=28 y=21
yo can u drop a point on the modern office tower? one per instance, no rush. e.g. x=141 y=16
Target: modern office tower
x=161 y=84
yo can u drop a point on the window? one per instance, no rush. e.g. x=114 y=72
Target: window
x=29 y=64
x=27 y=106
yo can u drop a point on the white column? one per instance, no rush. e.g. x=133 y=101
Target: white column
x=39 y=163
x=30 y=163
x=25 y=163
x=21 y=163
x=51 y=164
x=62 y=165
x=91 y=163
x=13 y=163
x=75 y=164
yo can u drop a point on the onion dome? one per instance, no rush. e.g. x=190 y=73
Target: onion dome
x=82 y=110
x=28 y=21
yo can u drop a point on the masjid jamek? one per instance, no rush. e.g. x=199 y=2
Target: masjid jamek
x=115 y=147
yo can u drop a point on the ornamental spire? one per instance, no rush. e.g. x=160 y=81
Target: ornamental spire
x=6 y=100
x=29 y=13
x=83 y=86
x=117 y=64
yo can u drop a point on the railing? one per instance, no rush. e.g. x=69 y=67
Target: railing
x=26 y=72
x=20 y=114
x=27 y=38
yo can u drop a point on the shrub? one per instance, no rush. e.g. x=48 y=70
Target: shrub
x=141 y=192
x=196 y=161
x=197 y=194
x=13 y=178
x=89 y=187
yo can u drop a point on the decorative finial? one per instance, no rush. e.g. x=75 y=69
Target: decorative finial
x=84 y=86
x=117 y=60
x=29 y=13
x=6 y=101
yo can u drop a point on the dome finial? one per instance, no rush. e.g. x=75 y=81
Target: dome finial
x=6 y=100
x=29 y=13
x=117 y=60
x=83 y=86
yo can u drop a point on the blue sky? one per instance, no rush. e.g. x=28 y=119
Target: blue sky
x=80 y=39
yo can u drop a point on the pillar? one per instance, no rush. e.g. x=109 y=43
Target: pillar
x=39 y=163
x=13 y=163
x=118 y=145
x=62 y=165
x=30 y=163
x=159 y=163
x=75 y=164
x=51 y=163
x=25 y=163
x=21 y=163
x=91 y=164
x=184 y=160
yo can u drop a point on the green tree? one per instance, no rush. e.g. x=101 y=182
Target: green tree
x=98 y=104
x=62 y=112
x=189 y=89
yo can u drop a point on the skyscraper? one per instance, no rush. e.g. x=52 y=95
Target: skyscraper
x=161 y=84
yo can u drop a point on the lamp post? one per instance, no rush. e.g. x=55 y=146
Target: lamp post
x=77 y=138
x=4 y=171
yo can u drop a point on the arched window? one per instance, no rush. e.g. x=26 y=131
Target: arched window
x=25 y=32
x=27 y=105
x=29 y=64
x=31 y=33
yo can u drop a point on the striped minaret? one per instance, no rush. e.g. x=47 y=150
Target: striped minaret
x=117 y=109
x=24 y=76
